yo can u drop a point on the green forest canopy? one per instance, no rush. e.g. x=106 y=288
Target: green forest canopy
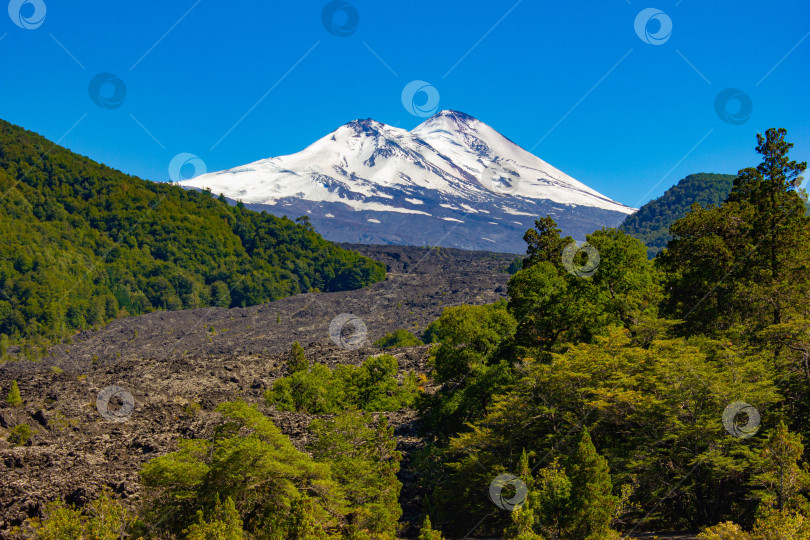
x=651 y=222
x=83 y=243
x=605 y=394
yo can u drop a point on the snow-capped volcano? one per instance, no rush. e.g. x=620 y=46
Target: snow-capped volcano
x=451 y=181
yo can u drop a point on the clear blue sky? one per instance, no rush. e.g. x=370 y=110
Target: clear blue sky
x=533 y=74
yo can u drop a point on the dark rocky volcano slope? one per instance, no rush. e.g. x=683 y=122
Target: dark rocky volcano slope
x=168 y=360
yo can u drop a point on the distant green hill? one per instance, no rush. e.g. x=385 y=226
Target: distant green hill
x=651 y=223
x=82 y=243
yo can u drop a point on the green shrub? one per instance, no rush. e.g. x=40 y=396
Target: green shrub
x=103 y=519
x=14 y=399
x=373 y=386
x=297 y=361
x=431 y=333
x=777 y=524
x=59 y=422
x=20 y=434
x=314 y=391
x=724 y=531
x=192 y=409
x=426 y=532
x=223 y=523
x=515 y=266
x=398 y=338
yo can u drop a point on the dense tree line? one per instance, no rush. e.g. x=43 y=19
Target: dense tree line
x=651 y=222
x=83 y=243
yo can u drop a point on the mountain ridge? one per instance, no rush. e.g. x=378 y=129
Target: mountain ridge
x=459 y=182
x=651 y=222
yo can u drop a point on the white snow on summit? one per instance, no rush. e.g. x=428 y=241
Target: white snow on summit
x=451 y=158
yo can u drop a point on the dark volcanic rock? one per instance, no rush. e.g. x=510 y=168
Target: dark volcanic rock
x=168 y=360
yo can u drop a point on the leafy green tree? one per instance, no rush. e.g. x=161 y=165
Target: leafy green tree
x=103 y=519
x=469 y=336
x=792 y=340
x=544 y=243
x=471 y=362
x=515 y=266
x=431 y=333
x=782 y=478
x=592 y=502
x=708 y=245
x=223 y=523
x=724 y=531
x=14 y=399
x=302 y=524
x=373 y=386
x=780 y=227
x=626 y=287
x=785 y=524
x=573 y=501
x=251 y=462
x=771 y=525
x=552 y=497
x=548 y=311
x=426 y=532
x=554 y=306
x=745 y=262
x=220 y=294
x=297 y=360
x=364 y=461
x=315 y=391
x=523 y=523
x=524 y=520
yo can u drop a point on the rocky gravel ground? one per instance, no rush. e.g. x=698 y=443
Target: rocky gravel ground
x=169 y=360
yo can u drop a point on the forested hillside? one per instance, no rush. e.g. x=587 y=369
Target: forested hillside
x=652 y=221
x=83 y=243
